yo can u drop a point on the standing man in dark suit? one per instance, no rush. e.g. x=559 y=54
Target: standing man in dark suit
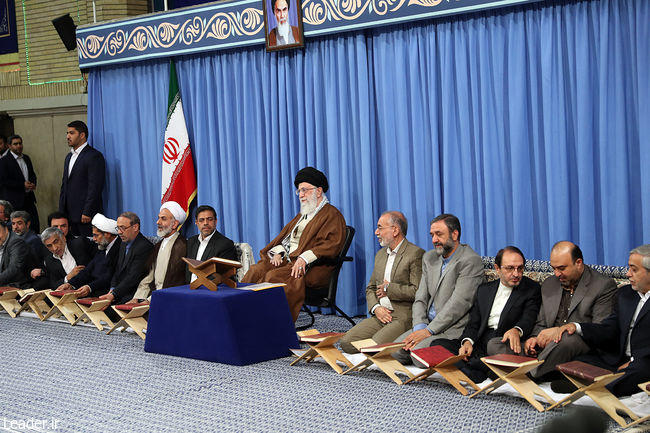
x=451 y=273
x=576 y=293
x=131 y=260
x=14 y=255
x=622 y=340
x=504 y=312
x=67 y=259
x=82 y=185
x=18 y=180
x=209 y=242
x=392 y=286
x=4 y=146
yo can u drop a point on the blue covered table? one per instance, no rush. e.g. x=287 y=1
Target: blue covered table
x=230 y=326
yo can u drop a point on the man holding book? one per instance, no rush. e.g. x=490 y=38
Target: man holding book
x=451 y=273
x=391 y=289
x=504 y=312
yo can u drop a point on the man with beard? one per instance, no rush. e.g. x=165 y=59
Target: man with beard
x=391 y=289
x=317 y=232
x=13 y=258
x=65 y=259
x=576 y=293
x=283 y=33
x=95 y=279
x=131 y=261
x=451 y=273
x=165 y=264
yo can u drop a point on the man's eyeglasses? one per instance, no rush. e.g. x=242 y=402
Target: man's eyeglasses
x=304 y=190
x=511 y=269
x=123 y=229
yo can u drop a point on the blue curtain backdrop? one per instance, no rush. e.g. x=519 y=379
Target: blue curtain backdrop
x=531 y=124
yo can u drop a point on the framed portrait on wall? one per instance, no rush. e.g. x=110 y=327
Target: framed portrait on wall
x=283 y=24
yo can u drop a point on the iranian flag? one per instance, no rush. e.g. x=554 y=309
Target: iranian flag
x=178 y=177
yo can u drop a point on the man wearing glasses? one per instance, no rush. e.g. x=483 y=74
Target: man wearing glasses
x=318 y=231
x=504 y=312
x=576 y=293
x=391 y=289
x=131 y=260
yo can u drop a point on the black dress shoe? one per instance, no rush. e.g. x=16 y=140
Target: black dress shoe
x=563 y=386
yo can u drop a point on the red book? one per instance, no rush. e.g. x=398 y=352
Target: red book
x=317 y=338
x=129 y=307
x=87 y=301
x=7 y=289
x=508 y=360
x=431 y=356
x=379 y=347
x=60 y=293
x=582 y=370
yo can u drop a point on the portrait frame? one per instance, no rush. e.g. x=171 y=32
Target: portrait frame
x=294 y=18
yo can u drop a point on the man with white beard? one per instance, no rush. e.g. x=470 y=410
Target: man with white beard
x=391 y=289
x=165 y=264
x=317 y=232
x=284 y=33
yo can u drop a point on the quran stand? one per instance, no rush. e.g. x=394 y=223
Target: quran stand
x=512 y=369
x=323 y=348
x=446 y=367
x=63 y=301
x=93 y=309
x=382 y=357
x=35 y=301
x=9 y=301
x=212 y=272
x=591 y=381
x=131 y=316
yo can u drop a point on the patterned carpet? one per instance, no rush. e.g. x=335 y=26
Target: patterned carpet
x=76 y=379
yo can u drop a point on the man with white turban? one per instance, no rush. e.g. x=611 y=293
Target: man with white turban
x=95 y=279
x=165 y=264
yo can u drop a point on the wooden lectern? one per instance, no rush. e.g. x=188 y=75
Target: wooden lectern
x=439 y=360
x=382 y=356
x=212 y=272
x=322 y=344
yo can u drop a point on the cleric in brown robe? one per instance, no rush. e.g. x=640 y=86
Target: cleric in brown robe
x=318 y=231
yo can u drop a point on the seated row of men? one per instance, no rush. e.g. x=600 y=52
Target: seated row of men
x=440 y=298
x=123 y=265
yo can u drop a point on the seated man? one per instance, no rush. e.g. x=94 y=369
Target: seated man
x=6 y=209
x=209 y=242
x=621 y=342
x=576 y=293
x=14 y=255
x=20 y=224
x=504 y=311
x=66 y=260
x=166 y=265
x=131 y=260
x=451 y=273
x=317 y=232
x=391 y=289
x=95 y=279
x=60 y=221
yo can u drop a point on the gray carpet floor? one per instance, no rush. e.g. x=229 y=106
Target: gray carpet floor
x=79 y=380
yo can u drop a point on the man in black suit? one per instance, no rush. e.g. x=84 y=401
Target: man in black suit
x=209 y=242
x=83 y=181
x=4 y=146
x=5 y=211
x=131 y=260
x=95 y=279
x=621 y=342
x=13 y=258
x=504 y=312
x=20 y=225
x=18 y=180
x=67 y=259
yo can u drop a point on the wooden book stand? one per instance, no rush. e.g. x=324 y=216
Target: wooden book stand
x=322 y=345
x=591 y=381
x=93 y=309
x=512 y=369
x=9 y=300
x=63 y=304
x=382 y=356
x=443 y=364
x=219 y=269
x=35 y=301
x=131 y=316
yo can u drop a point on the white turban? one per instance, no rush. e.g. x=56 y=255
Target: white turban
x=176 y=210
x=104 y=224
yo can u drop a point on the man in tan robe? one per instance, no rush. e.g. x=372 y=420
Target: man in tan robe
x=317 y=232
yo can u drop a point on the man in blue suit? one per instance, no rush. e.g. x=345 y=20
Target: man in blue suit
x=82 y=185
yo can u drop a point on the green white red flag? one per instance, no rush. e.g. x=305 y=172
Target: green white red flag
x=178 y=176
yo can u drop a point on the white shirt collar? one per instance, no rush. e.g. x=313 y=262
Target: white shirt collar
x=79 y=149
x=389 y=251
x=16 y=156
x=207 y=238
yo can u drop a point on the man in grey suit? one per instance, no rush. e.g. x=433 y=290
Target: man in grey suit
x=451 y=273
x=576 y=293
x=391 y=289
x=14 y=255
